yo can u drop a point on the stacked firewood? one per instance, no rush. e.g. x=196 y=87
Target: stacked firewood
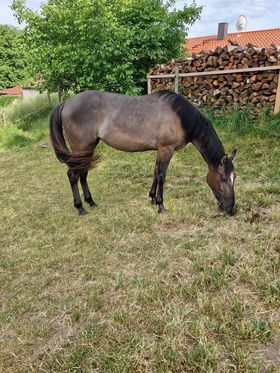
x=238 y=90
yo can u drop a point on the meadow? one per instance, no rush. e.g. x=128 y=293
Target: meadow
x=125 y=289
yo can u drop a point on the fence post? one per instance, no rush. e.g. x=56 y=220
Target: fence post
x=176 y=79
x=277 y=99
x=149 y=83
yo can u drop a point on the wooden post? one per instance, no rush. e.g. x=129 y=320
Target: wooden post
x=277 y=99
x=176 y=79
x=149 y=82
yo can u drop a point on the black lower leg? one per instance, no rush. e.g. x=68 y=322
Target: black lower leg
x=86 y=191
x=73 y=179
x=153 y=190
x=159 y=196
x=164 y=157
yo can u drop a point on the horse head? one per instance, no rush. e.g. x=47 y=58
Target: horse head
x=221 y=181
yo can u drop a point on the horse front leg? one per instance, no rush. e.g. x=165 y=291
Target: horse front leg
x=164 y=157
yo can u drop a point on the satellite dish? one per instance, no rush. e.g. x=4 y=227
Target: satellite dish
x=241 y=23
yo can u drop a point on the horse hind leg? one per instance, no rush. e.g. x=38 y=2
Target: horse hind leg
x=86 y=191
x=84 y=183
x=73 y=177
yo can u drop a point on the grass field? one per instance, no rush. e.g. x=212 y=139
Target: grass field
x=124 y=289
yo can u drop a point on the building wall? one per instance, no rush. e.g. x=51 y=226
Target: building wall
x=29 y=92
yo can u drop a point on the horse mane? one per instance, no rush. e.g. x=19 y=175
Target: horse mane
x=196 y=127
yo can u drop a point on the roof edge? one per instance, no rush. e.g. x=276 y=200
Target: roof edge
x=233 y=33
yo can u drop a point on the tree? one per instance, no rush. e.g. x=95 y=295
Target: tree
x=105 y=45
x=13 y=58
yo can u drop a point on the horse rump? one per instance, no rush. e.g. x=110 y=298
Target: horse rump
x=79 y=161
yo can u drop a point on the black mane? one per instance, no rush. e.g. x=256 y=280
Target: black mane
x=196 y=127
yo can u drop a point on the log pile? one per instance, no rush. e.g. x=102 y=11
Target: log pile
x=237 y=90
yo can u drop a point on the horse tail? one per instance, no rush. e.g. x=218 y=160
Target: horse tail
x=80 y=161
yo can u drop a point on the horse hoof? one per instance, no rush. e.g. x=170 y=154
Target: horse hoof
x=153 y=201
x=92 y=205
x=161 y=210
x=82 y=212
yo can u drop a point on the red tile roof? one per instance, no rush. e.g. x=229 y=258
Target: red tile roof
x=15 y=91
x=259 y=38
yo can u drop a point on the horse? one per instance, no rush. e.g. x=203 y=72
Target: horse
x=164 y=122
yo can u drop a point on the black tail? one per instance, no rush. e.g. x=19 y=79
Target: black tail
x=80 y=161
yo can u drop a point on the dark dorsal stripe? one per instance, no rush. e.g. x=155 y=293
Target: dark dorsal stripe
x=196 y=127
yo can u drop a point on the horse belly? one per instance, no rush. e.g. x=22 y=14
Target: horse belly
x=128 y=143
x=123 y=139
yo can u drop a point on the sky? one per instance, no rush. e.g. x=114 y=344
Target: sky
x=261 y=14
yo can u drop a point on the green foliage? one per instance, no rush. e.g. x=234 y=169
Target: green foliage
x=13 y=57
x=104 y=45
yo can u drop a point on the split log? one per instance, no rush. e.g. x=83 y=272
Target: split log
x=238 y=90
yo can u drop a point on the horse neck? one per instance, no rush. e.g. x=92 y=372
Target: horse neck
x=208 y=143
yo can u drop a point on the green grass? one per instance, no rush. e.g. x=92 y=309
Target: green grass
x=124 y=289
x=25 y=122
x=24 y=112
x=7 y=100
x=242 y=123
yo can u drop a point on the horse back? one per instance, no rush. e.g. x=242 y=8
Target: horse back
x=129 y=123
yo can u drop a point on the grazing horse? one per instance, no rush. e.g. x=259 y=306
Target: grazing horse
x=163 y=121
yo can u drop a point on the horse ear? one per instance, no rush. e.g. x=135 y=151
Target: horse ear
x=224 y=159
x=233 y=154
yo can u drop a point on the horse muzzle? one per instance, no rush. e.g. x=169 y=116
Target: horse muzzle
x=228 y=208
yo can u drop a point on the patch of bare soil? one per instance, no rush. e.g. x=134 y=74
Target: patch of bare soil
x=269 y=354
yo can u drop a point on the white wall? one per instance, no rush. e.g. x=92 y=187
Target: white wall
x=28 y=93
